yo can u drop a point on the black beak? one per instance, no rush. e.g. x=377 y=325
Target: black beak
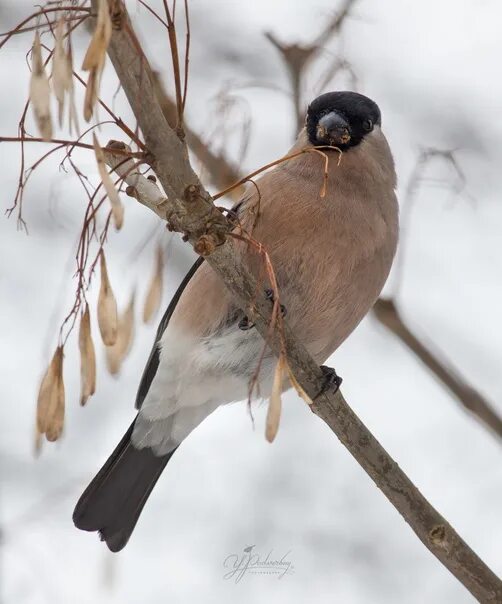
x=333 y=129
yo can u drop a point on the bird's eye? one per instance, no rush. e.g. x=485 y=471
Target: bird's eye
x=368 y=125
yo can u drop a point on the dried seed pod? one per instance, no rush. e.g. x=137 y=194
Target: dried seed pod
x=94 y=60
x=72 y=109
x=87 y=358
x=61 y=71
x=107 y=307
x=50 y=404
x=111 y=191
x=40 y=92
x=56 y=424
x=154 y=294
x=116 y=354
x=96 y=51
x=275 y=402
x=297 y=386
x=91 y=94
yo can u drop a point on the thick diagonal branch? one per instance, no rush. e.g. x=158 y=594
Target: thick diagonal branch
x=193 y=214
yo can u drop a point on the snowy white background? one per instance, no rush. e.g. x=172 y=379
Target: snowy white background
x=433 y=68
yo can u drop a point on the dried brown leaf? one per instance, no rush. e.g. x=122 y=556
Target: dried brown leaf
x=297 y=386
x=275 y=402
x=72 y=108
x=91 y=94
x=107 y=307
x=50 y=404
x=87 y=358
x=56 y=424
x=46 y=391
x=111 y=191
x=61 y=70
x=40 y=92
x=96 y=51
x=154 y=294
x=94 y=60
x=116 y=354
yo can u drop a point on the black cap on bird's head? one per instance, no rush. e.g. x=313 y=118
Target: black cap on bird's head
x=341 y=119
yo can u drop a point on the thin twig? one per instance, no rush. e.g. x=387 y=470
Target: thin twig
x=63 y=142
x=281 y=160
x=173 y=43
x=41 y=12
x=187 y=57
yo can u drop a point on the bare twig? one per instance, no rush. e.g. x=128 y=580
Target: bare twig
x=42 y=12
x=187 y=56
x=281 y=160
x=173 y=43
x=190 y=209
x=62 y=143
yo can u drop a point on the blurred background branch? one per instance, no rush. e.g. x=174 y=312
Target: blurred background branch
x=386 y=312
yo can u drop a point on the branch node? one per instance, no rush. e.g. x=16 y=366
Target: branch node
x=192 y=193
x=437 y=536
x=117 y=14
x=205 y=245
x=113 y=144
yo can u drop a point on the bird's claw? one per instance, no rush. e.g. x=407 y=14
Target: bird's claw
x=245 y=323
x=331 y=380
x=269 y=294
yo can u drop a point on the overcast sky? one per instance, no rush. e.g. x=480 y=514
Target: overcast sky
x=433 y=69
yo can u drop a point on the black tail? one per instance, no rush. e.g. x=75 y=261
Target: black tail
x=113 y=501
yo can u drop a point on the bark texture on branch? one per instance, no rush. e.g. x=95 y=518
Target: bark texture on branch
x=189 y=209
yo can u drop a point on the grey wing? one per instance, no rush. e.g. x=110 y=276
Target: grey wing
x=153 y=360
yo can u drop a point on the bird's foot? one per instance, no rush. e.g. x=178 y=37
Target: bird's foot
x=245 y=323
x=269 y=294
x=332 y=381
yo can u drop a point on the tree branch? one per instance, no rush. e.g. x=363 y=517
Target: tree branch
x=386 y=312
x=189 y=209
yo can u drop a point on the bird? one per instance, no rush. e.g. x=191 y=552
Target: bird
x=331 y=252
